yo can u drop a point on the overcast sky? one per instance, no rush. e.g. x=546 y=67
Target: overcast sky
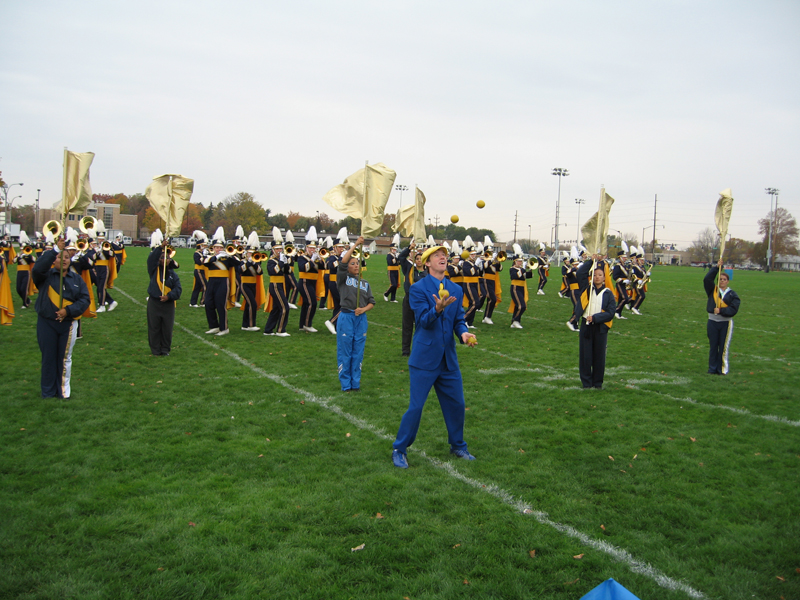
x=468 y=100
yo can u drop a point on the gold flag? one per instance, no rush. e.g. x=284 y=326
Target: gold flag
x=722 y=217
x=77 y=190
x=169 y=196
x=410 y=220
x=595 y=230
x=363 y=195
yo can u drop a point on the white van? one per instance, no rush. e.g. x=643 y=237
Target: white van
x=126 y=240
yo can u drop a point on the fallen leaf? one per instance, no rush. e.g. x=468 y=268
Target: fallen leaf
x=693 y=439
x=779 y=578
x=571 y=582
x=267 y=439
x=634 y=456
x=283 y=415
x=160 y=568
x=304 y=420
x=192 y=524
x=527 y=511
x=456 y=546
x=22 y=429
x=260 y=456
x=603 y=527
x=159 y=382
x=302 y=401
x=522 y=451
x=578 y=556
x=611 y=457
x=701 y=464
x=378 y=516
x=250 y=403
x=156 y=402
x=532 y=553
x=346 y=435
x=465 y=581
x=357 y=548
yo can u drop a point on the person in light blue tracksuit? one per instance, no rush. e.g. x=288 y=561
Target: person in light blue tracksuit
x=351 y=326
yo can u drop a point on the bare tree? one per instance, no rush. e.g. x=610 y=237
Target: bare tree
x=702 y=249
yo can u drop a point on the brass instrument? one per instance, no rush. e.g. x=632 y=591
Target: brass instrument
x=88 y=225
x=230 y=249
x=323 y=253
x=27 y=250
x=259 y=257
x=501 y=256
x=289 y=250
x=239 y=250
x=465 y=255
x=487 y=254
x=106 y=246
x=81 y=245
x=54 y=227
x=533 y=262
x=366 y=255
x=171 y=252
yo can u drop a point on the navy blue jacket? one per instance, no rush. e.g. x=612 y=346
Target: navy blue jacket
x=75 y=290
x=731 y=297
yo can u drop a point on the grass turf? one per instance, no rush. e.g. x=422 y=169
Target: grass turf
x=226 y=469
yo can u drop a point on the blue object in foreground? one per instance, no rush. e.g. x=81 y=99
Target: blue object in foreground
x=609 y=590
x=729 y=273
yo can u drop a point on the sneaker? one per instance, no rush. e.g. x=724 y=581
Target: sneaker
x=462 y=454
x=629 y=306
x=24 y=306
x=323 y=308
x=330 y=327
x=193 y=306
x=386 y=298
x=237 y=304
x=215 y=330
x=571 y=326
x=394 y=301
x=224 y=332
x=112 y=306
x=251 y=328
x=284 y=334
x=269 y=333
x=516 y=325
x=471 y=327
x=399 y=459
x=101 y=309
x=308 y=329
x=635 y=311
x=292 y=305
x=540 y=292
x=619 y=316
x=488 y=321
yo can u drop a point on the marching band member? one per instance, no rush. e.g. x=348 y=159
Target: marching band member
x=352 y=328
x=641 y=275
x=393 y=270
x=324 y=276
x=333 y=265
x=543 y=269
x=104 y=274
x=722 y=305
x=7 y=249
x=163 y=292
x=308 y=268
x=120 y=256
x=220 y=288
x=433 y=361
x=411 y=265
x=25 y=260
x=56 y=328
x=277 y=305
x=597 y=317
x=82 y=264
x=491 y=272
x=622 y=278
x=6 y=299
x=471 y=298
x=570 y=269
x=199 y=275
x=291 y=281
x=519 y=287
x=252 y=284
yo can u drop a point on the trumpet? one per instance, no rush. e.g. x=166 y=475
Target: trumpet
x=501 y=256
x=230 y=249
x=27 y=250
x=54 y=227
x=88 y=225
x=487 y=254
x=81 y=245
x=366 y=255
x=259 y=257
x=289 y=250
x=323 y=253
x=106 y=246
x=239 y=250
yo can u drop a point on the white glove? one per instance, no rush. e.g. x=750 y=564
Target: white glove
x=626 y=281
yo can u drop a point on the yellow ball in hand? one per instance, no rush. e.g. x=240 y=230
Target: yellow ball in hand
x=480 y=204
x=443 y=293
x=454 y=219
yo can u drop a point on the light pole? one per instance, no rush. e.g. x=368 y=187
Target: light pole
x=5 y=189
x=555 y=228
x=36 y=215
x=560 y=173
x=401 y=188
x=579 y=201
x=772 y=192
x=529 y=237
x=653 y=249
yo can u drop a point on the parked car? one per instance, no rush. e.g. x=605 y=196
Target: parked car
x=140 y=243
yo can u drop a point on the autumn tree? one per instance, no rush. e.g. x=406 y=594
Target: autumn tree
x=193 y=219
x=702 y=248
x=784 y=234
x=240 y=209
x=24 y=217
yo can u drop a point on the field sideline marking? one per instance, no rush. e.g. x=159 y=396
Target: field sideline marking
x=618 y=554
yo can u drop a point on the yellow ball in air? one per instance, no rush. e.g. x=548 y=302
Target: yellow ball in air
x=454 y=219
x=480 y=204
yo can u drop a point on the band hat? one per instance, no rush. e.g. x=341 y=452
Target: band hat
x=430 y=251
x=217 y=243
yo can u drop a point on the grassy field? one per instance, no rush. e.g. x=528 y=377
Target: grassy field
x=236 y=468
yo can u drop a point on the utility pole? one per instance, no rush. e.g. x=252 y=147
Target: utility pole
x=653 y=247
x=516 y=213
x=772 y=192
x=36 y=215
x=558 y=171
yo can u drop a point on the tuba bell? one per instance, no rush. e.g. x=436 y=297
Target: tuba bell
x=533 y=262
x=54 y=227
x=88 y=225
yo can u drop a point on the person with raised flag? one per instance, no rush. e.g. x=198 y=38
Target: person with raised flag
x=722 y=305
x=163 y=293
x=63 y=298
x=436 y=302
x=597 y=305
x=351 y=332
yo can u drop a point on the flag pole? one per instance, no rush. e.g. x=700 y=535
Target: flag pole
x=361 y=247
x=63 y=229
x=166 y=236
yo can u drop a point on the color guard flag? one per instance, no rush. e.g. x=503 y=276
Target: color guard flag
x=722 y=217
x=410 y=221
x=363 y=195
x=169 y=196
x=595 y=230
x=77 y=190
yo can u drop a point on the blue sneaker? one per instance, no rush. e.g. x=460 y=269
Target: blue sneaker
x=399 y=459
x=462 y=454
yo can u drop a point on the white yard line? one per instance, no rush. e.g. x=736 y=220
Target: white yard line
x=618 y=554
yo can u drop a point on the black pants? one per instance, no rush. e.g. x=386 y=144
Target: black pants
x=394 y=282
x=471 y=293
x=542 y=279
x=593 y=343
x=491 y=299
x=291 y=288
x=216 y=301
x=640 y=297
x=719 y=339
x=308 y=292
x=622 y=292
x=101 y=277
x=276 y=323
x=56 y=339
x=199 y=288
x=160 y=323
x=23 y=281
x=518 y=294
x=250 y=310
x=323 y=302
x=408 y=326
